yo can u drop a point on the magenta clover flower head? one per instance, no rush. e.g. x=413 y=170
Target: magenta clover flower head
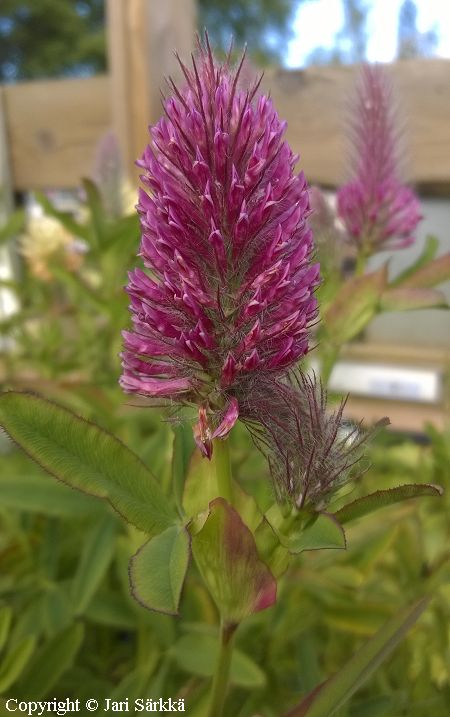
x=377 y=209
x=228 y=289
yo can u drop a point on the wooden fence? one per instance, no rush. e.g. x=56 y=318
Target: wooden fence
x=52 y=127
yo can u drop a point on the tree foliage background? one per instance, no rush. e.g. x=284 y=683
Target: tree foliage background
x=60 y=38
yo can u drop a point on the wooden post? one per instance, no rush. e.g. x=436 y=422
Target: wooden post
x=8 y=302
x=142 y=38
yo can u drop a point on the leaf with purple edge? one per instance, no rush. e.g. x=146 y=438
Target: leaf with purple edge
x=355 y=305
x=227 y=557
x=84 y=456
x=433 y=273
x=326 y=699
x=408 y=298
x=158 y=569
x=382 y=498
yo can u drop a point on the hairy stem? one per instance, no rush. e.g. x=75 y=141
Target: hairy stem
x=222 y=466
x=222 y=673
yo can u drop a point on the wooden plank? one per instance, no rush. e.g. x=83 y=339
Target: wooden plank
x=53 y=128
x=315 y=103
x=142 y=38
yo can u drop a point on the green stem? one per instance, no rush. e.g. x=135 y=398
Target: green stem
x=361 y=261
x=221 y=676
x=222 y=466
x=328 y=359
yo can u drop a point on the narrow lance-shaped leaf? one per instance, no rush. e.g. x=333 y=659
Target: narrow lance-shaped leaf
x=46 y=667
x=428 y=253
x=85 y=457
x=183 y=447
x=432 y=274
x=95 y=558
x=14 y=662
x=326 y=699
x=408 y=298
x=382 y=498
x=158 y=569
x=227 y=557
x=13 y=225
x=355 y=305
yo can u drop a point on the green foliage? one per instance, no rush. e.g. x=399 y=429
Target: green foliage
x=158 y=570
x=85 y=457
x=264 y=25
x=330 y=697
x=70 y=41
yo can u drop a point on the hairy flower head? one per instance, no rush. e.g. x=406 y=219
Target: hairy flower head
x=228 y=287
x=377 y=209
x=310 y=450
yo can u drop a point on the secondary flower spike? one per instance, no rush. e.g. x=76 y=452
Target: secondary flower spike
x=228 y=290
x=377 y=209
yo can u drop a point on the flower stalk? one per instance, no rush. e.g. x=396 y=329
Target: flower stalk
x=222 y=674
x=221 y=464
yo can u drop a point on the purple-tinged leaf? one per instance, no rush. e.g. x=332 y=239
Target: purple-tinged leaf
x=433 y=273
x=383 y=498
x=355 y=305
x=327 y=698
x=227 y=557
x=407 y=298
x=84 y=456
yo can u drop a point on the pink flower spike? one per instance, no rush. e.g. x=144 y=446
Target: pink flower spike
x=226 y=247
x=376 y=208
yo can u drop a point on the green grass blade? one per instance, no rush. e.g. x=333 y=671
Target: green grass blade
x=326 y=699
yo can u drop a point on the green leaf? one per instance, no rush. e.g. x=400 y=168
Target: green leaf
x=13 y=225
x=42 y=494
x=98 y=216
x=197 y=654
x=15 y=661
x=183 y=448
x=227 y=557
x=326 y=699
x=201 y=488
x=158 y=569
x=407 y=298
x=382 y=498
x=428 y=253
x=435 y=272
x=98 y=549
x=5 y=624
x=298 y=532
x=354 y=306
x=85 y=457
x=49 y=663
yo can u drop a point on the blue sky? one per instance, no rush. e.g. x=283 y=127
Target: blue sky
x=318 y=21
